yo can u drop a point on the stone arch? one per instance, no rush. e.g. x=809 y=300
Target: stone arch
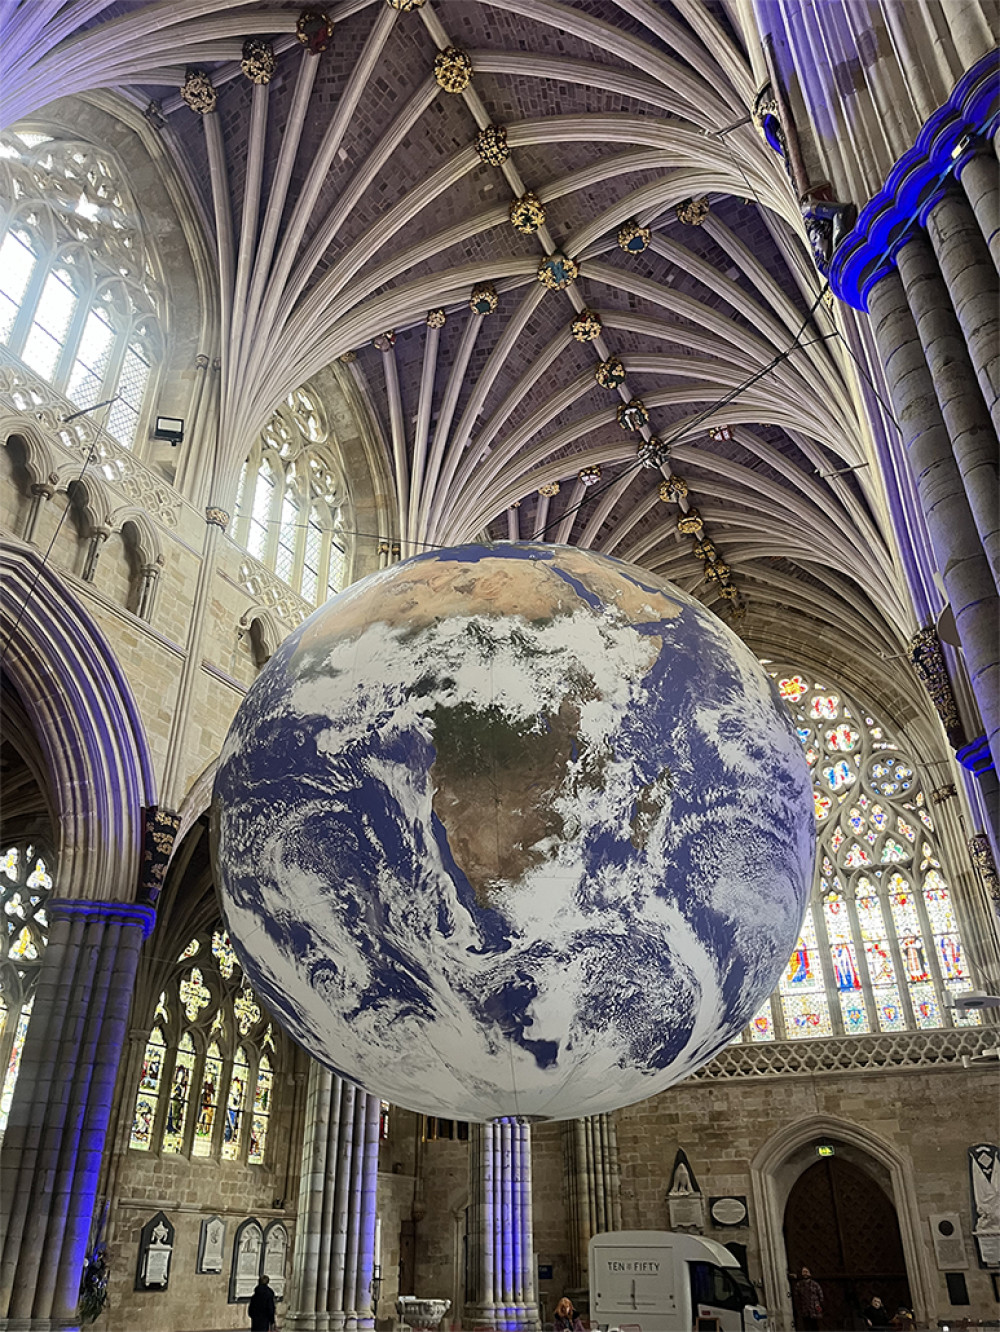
x=80 y=704
x=37 y=456
x=784 y=1157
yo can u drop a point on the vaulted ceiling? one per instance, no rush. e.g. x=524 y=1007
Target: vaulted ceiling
x=347 y=198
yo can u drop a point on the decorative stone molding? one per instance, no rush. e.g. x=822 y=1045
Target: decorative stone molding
x=633 y=415
x=556 y=271
x=929 y=664
x=405 y=5
x=258 y=62
x=453 y=69
x=385 y=341
x=217 y=517
x=198 y=93
x=766 y=118
x=942 y=793
x=633 y=239
x=548 y=489
x=847 y=1054
x=674 y=488
x=162 y=826
x=653 y=453
x=491 y=145
x=610 y=373
x=436 y=318
x=982 y=857
x=314 y=28
x=690 y=523
x=589 y=476
x=692 y=212
x=484 y=299
x=269 y=591
x=527 y=213
x=586 y=326
x=83 y=439
x=917 y=182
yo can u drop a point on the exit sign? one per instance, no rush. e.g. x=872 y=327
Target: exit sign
x=824 y=1149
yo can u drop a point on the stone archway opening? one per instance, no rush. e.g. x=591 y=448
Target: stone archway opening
x=840 y=1223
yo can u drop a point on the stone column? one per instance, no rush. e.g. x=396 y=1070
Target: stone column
x=971 y=278
x=59 y=1117
x=979 y=180
x=590 y=1152
x=501 y=1249
x=335 y=1234
x=973 y=439
x=958 y=550
x=39 y=495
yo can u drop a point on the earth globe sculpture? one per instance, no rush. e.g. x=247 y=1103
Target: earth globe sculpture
x=513 y=829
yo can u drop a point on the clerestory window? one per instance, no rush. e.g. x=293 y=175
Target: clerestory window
x=78 y=288
x=291 y=501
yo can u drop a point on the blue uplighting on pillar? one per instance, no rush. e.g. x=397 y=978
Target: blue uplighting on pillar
x=917 y=182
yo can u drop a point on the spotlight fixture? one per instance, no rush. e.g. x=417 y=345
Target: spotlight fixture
x=169 y=427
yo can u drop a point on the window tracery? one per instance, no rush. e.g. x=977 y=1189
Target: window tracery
x=25 y=887
x=291 y=500
x=78 y=291
x=208 y=1071
x=880 y=948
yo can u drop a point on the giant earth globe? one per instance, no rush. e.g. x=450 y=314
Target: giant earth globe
x=513 y=829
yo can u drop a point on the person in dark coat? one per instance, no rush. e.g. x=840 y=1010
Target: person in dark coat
x=877 y=1315
x=262 y=1307
x=566 y=1319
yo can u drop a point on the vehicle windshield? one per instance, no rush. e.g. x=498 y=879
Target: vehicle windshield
x=721 y=1287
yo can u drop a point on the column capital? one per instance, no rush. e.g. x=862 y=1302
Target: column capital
x=217 y=517
x=112 y=913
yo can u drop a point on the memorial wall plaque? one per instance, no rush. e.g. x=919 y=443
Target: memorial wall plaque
x=156 y=1246
x=210 y=1244
x=984 y=1183
x=248 y=1248
x=275 y=1257
x=729 y=1210
x=949 y=1242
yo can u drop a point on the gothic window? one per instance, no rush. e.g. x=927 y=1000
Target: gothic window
x=290 y=503
x=25 y=887
x=78 y=294
x=208 y=1071
x=880 y=948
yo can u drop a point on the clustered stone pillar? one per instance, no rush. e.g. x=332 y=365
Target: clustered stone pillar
x=334 y=1258
x=954 y=477
x=590 y=1152
x=61 y=1108
x=501 y=1289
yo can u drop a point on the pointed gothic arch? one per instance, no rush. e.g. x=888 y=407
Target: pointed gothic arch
x=83 y=711
x=785 y=1156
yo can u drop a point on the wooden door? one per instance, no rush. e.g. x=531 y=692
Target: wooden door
x=841 y=1225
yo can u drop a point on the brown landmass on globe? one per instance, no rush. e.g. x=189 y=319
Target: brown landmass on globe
x=494 y=781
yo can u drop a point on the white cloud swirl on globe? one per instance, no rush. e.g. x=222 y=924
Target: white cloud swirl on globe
x=513 y=830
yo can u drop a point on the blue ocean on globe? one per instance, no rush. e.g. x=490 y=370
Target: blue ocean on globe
x=513 y=829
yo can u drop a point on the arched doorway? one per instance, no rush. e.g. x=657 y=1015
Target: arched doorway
x=841 y=1224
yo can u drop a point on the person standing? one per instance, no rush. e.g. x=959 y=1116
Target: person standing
x=877 y=1315
x=566 y=1319
x=262 y=1308
x=809 y=1298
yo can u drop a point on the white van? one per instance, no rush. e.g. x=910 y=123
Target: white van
x=658 y=1281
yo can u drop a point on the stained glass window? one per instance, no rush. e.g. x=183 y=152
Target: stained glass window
x=291 y=503
x=208 y=1102
x=261 y=1111
x=25 y=888
x=881 y=946
x=147 y=1097
x=181 y=1081
x=205 y=1012
x=232 y=1134
x=78 y=295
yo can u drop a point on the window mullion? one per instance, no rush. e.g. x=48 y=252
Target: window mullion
x=830 y=987
x=26 y=314
x=67 y=356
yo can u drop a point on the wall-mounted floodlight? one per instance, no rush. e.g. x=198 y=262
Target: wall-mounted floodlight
x=169 y=427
